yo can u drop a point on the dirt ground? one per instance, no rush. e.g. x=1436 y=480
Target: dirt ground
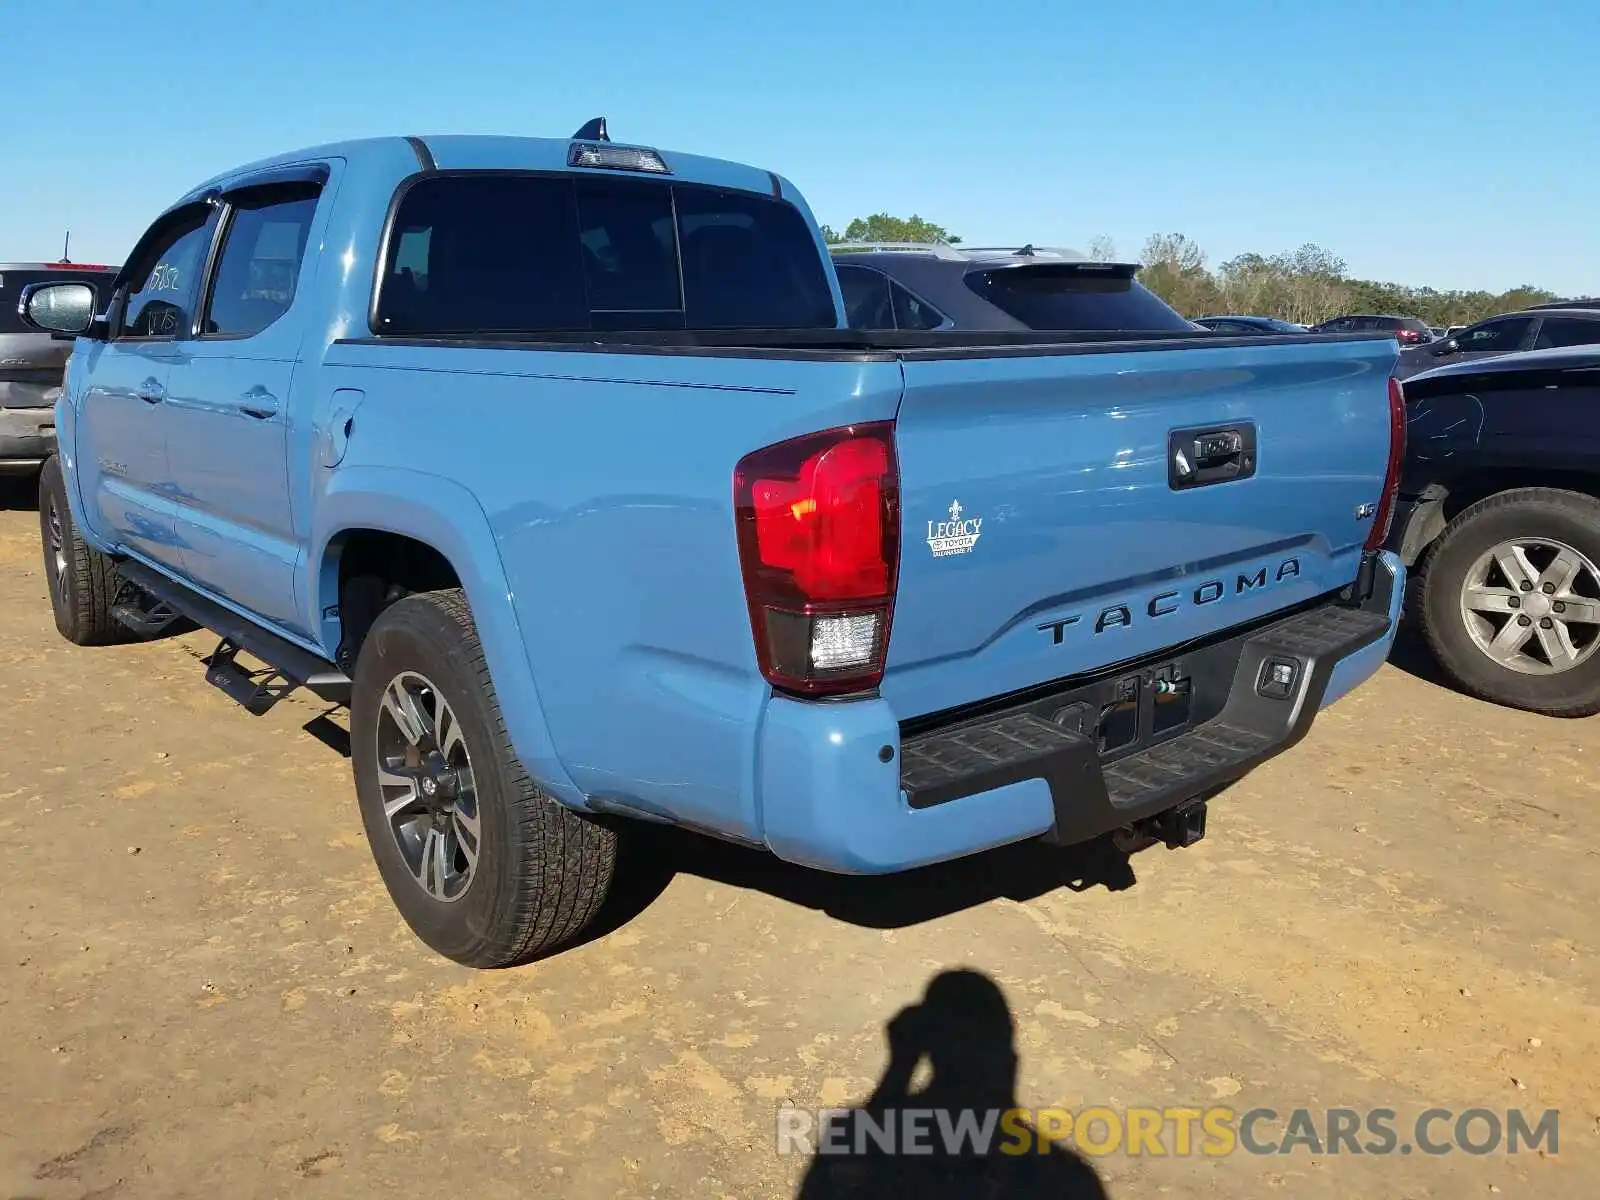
x=204 y=991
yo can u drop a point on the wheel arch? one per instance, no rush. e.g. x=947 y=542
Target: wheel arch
x=443 y=533
x=1441 y=502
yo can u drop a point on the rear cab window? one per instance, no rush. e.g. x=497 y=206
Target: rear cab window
x=1069 y=297
x=481 y=253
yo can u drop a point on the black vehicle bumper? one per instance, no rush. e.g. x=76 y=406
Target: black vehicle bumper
x=1231 y=719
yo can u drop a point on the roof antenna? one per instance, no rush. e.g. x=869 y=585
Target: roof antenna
x=1026 y=251
x=594 y=131
x=65 y=246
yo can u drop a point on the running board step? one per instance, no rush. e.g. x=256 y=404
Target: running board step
x=292 y=666
x=255 y=693
x=146 y=622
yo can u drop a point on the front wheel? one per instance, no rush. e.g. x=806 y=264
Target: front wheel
x=484 y=867
x=1510 y=601
x=83 y=583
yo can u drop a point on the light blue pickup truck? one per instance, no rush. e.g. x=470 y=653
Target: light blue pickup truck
x=553 y=459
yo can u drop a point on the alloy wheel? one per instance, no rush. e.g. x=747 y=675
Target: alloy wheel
x=1533 y=606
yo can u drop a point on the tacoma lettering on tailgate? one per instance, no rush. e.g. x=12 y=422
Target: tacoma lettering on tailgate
x=1164 y=604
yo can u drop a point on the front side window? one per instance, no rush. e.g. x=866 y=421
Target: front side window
x=260 y=262
x=524 y=254
x=1497 y=337
x=1567 y=331
x=162 y=289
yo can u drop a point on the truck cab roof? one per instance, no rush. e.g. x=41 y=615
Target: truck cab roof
x=485 y=152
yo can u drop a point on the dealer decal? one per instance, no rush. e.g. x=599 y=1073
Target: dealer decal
x=958 y=535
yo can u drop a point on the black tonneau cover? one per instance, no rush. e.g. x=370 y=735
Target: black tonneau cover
x=860 y=345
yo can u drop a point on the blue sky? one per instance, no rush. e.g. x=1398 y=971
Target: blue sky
x=1454 y=143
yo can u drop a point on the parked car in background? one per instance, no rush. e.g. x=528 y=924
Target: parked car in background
x=31 y=363
x=1408 y=331
x=1500 y=516
x=1438 y=331
x=1237 y=324
x=917 y=286
x=865 y=600
x=1531 y=329
x=1582 y=302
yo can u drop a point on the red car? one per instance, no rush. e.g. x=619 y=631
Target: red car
x=1408 y=331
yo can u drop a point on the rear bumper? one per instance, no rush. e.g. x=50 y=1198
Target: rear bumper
x=27 y=437
x=843 y=788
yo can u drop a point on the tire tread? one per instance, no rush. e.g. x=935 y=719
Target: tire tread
x=92 y=576
x=568 y=859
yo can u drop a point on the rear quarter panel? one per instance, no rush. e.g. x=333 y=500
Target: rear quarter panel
x=606 y=482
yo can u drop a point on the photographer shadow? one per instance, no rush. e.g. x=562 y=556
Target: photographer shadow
x=965 y=1030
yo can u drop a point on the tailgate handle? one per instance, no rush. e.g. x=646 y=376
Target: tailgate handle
x=1197 y=457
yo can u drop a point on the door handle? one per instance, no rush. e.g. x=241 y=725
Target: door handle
x=151 y=391
x=1197 y=457
x=258 y=403
x=1216 y=449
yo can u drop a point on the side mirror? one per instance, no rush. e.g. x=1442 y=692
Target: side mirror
x=1448 y=346
x=58 y=307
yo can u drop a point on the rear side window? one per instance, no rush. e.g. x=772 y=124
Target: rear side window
x=867 y=303
x=1062 y=298
x=912 y=312
x=260 y=263
x=530 y=254
x=1567 y=331
x=873 y=301
x=12 y=283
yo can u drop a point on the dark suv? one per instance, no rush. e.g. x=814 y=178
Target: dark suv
x=1546 y=327
x=1408 y=331
x=31 y=363
x=935 y=286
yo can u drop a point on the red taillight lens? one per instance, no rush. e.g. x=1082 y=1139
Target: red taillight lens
x=819 y=544
x=1391 y=477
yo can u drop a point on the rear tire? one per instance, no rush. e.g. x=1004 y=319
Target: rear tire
x=1463 y=585
x=83 y=582
x=484 y=867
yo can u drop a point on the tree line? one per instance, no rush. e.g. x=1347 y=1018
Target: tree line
x=1307 y=285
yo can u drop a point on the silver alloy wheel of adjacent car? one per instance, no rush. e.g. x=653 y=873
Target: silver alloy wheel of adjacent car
x=1533 y=606
x=430 y=801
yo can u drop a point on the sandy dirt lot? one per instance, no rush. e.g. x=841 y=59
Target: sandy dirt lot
x=204 y=991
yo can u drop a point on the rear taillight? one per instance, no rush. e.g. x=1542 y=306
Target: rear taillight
x=1391 y=476
x=819 y=544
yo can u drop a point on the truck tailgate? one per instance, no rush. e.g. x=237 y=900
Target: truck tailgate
x=1065 y=512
